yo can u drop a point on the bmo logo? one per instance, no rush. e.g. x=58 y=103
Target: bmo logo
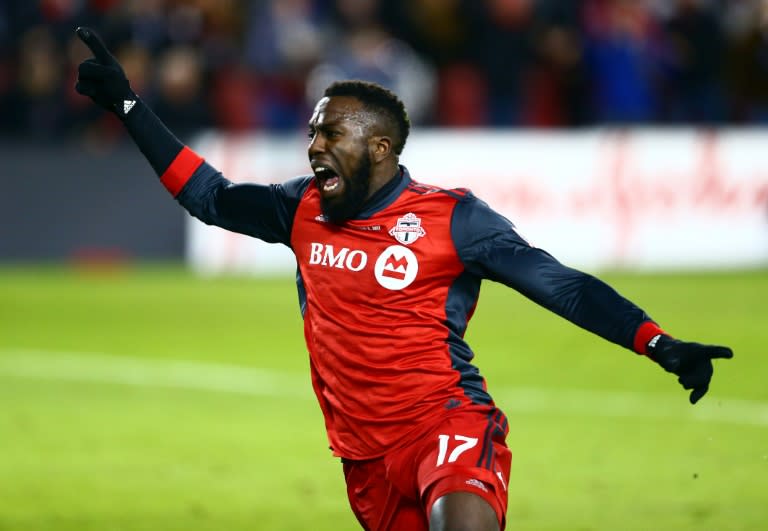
x=396 y=267
x=344 y=258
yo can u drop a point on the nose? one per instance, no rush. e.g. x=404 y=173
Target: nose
x=316 y=145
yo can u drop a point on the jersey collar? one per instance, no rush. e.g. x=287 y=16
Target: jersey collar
x=387 y=194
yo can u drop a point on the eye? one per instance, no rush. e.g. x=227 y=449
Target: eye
x=311 y=134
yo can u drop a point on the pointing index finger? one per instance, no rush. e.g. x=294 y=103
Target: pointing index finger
x=95 y=44
x=720 y=352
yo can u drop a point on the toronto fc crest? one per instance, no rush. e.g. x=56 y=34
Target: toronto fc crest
x=408 y=229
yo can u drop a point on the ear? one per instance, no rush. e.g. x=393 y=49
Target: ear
x=380 y=148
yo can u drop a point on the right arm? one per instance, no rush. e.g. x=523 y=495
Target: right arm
x=263 y=211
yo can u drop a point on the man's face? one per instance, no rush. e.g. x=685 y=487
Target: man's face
x=338 y=153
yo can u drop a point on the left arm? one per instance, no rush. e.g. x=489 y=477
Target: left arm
x=490 y=247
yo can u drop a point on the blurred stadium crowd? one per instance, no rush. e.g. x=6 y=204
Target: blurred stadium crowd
x=242 y=65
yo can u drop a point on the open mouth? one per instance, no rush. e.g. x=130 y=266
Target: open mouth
x=327 y=180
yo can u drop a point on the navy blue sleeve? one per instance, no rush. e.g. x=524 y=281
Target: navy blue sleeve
x=489 y=247
x=156 y=142
x=262 y=211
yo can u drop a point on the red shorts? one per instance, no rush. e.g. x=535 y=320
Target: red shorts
x=465 y=452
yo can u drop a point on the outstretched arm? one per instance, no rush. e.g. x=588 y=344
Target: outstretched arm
x=490 y=247
x=263 y=211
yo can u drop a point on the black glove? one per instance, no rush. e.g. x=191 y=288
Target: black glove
x=691 y=362
x=102 y=79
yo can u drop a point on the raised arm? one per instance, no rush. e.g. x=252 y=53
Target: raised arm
x=262 y=211
x=490 y=247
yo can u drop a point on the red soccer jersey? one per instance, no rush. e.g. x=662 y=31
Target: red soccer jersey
x=375 y=321
x=387 y=296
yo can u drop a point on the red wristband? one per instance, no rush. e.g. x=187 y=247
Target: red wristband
x=645 y=332
x=181 y=169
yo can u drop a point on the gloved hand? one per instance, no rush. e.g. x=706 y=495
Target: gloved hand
x=102 y=79
x=691 y=362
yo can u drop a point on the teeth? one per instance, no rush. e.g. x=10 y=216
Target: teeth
x=327 y=178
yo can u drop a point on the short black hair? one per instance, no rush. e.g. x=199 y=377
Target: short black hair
x=377 y=99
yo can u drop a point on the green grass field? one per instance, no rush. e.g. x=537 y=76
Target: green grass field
x=152 y=399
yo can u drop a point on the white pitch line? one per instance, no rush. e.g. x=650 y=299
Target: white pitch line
x=93 y=367
x=48 y=365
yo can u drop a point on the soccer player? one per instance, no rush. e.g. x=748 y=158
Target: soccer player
x=389 y=273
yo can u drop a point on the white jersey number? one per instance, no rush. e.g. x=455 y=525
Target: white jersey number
x=444 y=440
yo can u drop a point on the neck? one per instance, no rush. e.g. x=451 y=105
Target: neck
x=381 y=175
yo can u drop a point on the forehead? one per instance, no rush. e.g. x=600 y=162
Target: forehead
x=338 y=109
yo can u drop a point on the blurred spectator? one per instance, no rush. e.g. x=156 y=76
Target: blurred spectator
x=505 y=52
x=556 y=87
x=36 y=104
x=283 y=35
x=441 y=30
x=747 y=62
x=694 y=56
x=444 y=32
x=180 y=100
x=623 y=57
x=363 y=49
x=284 y=40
